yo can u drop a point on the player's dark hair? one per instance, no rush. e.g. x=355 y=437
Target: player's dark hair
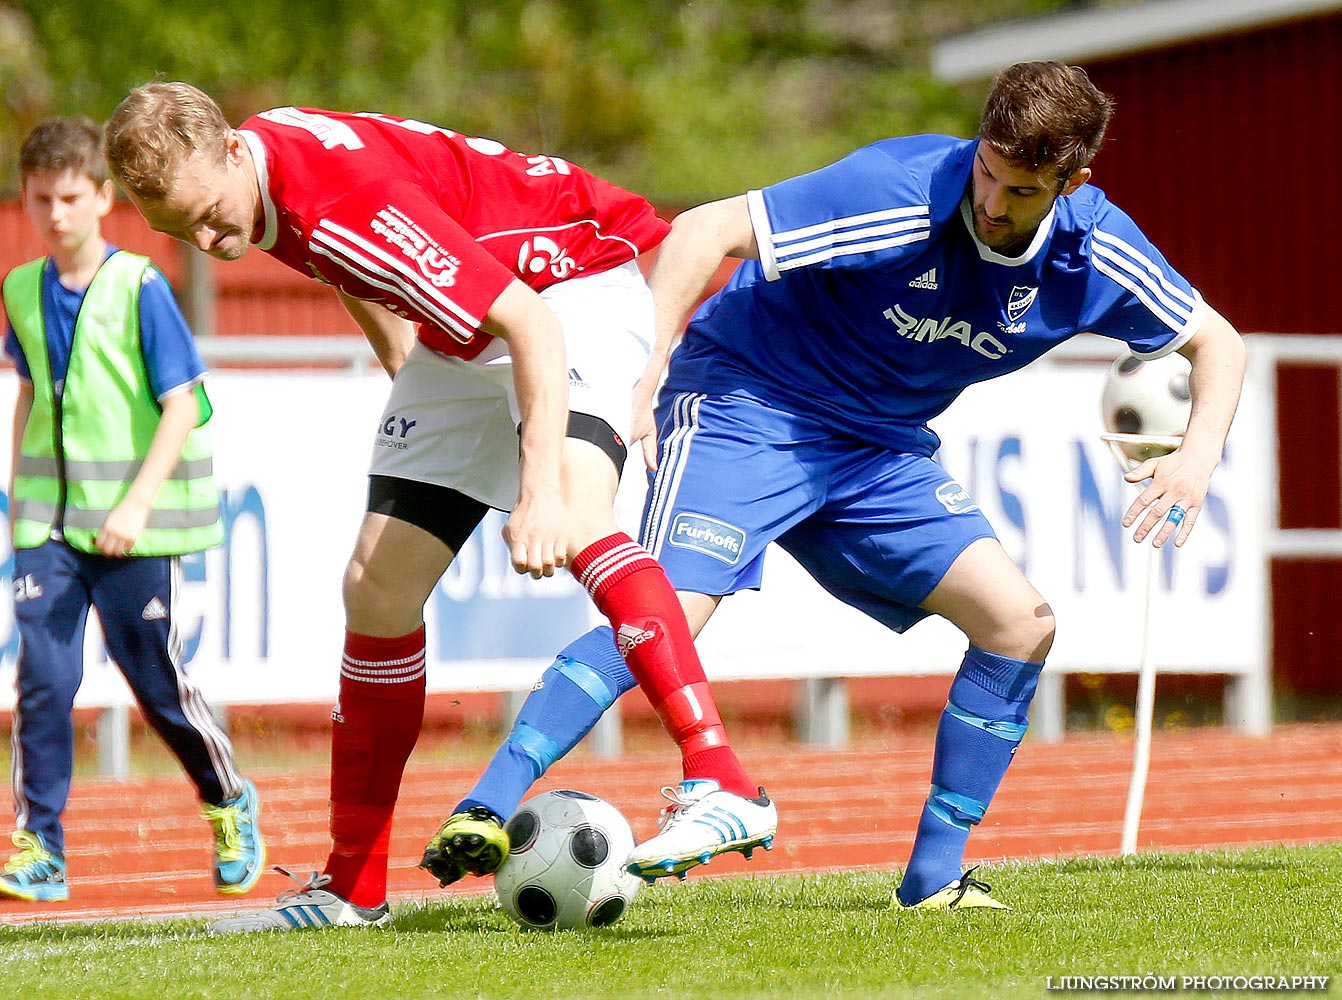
x=1045 y=116
x=154 y=129
x=61 y=144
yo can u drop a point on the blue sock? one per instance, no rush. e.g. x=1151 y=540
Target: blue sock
x=584 y=681
x=983 y=723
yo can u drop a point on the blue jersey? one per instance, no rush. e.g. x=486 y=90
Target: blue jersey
x=170 y=355
x=873 y=304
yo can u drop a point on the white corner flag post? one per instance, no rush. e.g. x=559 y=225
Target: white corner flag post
x=1146 y=671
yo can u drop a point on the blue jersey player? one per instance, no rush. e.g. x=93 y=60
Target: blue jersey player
x=795 y=411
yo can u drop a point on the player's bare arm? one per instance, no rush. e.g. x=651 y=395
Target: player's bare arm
x=390 y=336
x=1180 y=479
x=125 y=522
x=689 y=256
x=536 y=531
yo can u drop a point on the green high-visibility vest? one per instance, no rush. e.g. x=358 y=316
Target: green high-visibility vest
x=85 y=440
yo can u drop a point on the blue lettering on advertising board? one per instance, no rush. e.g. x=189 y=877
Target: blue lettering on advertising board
x=482 y=609
x=234 y=508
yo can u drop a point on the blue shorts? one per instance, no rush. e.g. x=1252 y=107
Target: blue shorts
x=876 y=528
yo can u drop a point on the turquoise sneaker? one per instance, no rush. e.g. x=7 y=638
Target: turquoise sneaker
x=34 y=874
x=239 y=851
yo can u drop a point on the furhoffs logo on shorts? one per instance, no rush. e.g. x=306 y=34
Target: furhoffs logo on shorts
x=955 y=498
x=708 y=535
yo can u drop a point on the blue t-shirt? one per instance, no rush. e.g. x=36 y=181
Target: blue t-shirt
x=873 y=303
x=170 y=355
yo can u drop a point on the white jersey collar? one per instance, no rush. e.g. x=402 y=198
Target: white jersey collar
x=992 y=256
x=258 y=148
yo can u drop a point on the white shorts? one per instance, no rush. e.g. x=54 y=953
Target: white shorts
x=453 y=423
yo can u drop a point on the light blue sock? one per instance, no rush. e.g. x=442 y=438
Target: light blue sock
x=584 y=681
x=980 y=729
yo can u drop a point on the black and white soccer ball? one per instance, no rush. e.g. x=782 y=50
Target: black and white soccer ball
x=565 y=865
x=1147 y=398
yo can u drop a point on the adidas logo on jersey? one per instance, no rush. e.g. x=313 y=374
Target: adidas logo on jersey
x=926 y=281
x=154 y=610
x=630 y=636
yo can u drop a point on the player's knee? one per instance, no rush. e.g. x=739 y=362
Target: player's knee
x=1038 y=629
x=366 y=597
x=1026 y=633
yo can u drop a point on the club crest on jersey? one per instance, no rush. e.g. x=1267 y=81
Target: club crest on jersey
x=955 y=498
x=1019 y=301
x=708 y=535
x=541 y=252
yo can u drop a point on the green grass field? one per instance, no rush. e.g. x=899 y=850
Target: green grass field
x=1259 y=912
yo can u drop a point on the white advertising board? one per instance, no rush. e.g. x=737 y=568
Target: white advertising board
x=1027 y=447
x=262 y=614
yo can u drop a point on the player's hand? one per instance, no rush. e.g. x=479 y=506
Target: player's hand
x=1173 y=498
x=644 y=424
x=122 y=527
x=536 y=534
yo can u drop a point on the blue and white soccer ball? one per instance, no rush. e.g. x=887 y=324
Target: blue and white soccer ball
x=1147 y=398
x=565 y=865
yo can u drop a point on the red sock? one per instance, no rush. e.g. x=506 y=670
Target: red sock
x=375 y=724
x=631 y=589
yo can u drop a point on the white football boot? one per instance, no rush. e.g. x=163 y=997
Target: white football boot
x=702 y=822
x=309 y=905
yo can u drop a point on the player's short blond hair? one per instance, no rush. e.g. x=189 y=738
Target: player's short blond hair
x=155 y=129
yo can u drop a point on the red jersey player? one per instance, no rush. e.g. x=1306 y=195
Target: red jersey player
x=513 y=270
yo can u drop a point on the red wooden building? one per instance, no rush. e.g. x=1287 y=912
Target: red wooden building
x=1224 y=147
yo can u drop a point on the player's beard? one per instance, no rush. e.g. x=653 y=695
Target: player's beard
x=1007 y=239
x=231 y=247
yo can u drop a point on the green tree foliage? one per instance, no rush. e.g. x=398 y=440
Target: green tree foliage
x=681 y=101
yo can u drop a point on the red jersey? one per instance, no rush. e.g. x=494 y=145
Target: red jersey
x=431 y=223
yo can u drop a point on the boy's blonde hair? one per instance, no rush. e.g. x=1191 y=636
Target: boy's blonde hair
x=60 y=144
x=156 y=128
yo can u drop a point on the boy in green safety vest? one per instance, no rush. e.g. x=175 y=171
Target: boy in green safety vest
x=112 y=483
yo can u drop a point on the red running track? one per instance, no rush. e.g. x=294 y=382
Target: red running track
x=139 y=849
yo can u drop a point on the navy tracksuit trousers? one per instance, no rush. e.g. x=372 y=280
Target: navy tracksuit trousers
x=54 y=587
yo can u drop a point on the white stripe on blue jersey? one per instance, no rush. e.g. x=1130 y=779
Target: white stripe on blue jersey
x=851 y=222
x=1139 y=276
x=848 y=236
x=1119 y=260
x=834 y=249
x=836 y=242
